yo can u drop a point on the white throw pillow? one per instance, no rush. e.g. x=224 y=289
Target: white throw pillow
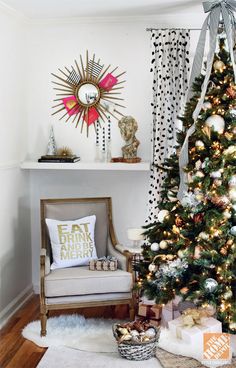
x=72 y=242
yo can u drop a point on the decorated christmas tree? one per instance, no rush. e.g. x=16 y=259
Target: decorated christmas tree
x=191 y=249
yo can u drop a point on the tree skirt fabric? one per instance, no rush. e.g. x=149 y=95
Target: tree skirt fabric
x=169 y=360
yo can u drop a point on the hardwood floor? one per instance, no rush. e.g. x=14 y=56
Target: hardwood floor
x=17 y=352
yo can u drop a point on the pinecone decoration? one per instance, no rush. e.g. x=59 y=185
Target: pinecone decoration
x=220 y=201
x=198 y=218
x=231 y=91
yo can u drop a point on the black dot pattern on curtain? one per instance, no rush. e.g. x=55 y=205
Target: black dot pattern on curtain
x=170 y=68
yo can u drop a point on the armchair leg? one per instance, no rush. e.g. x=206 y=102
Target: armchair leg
x=43 y=318
x=131 y=311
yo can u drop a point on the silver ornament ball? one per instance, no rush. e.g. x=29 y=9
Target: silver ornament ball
x=233 y=230
x=154 y=247
x=210 y=284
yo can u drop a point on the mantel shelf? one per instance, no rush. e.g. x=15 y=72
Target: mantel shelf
x=105 y=166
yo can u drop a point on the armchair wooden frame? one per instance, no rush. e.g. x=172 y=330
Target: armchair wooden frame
x=44 y=307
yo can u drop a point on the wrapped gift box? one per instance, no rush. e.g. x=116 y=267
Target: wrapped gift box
x=193 y=334
x=170 y=311
x=149 y=311
x=103 y=264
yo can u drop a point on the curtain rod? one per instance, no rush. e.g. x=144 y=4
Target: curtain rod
x=172 y=29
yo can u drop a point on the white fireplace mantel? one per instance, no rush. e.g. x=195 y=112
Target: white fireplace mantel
x=105 y=166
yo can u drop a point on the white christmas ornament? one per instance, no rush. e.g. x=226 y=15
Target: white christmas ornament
x=154 y=247
x=199 y=174
x=181 y=253
x=232 y=194
x=231 y=150
x=189 y=200
x=172 y=196
x=152 y=267
x=203 y=236
x=215 y=174
x=233 y=230
x=162 y=215
x=200 y=145
x=198 y=164
x=218 y=65
x=232 y=181
x=207 y=105
x=227 y=214
x=216 y=123
x=232 y=111
x=163 y=244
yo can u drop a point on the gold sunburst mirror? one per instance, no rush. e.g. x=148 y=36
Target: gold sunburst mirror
x=88 y=92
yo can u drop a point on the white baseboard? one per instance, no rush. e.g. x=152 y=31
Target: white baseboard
x=15 y=304
x=36 y=288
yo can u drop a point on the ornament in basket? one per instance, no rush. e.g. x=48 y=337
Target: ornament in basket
x=136 y=340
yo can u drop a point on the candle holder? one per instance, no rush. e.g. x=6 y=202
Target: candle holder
x=136 y=237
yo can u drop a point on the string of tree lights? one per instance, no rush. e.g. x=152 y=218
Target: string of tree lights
x=191 y=249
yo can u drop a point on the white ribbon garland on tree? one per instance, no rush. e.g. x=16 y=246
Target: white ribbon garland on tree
x=216 y=9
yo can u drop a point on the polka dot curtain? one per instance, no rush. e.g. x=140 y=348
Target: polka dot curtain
x=170 y=67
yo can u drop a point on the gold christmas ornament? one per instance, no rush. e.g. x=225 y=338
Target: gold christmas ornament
x=163 y=244
x=217 y=182
x=169 y=257
x=223 y=251
x=228 y=136
x=219 y=66
x=184 y=290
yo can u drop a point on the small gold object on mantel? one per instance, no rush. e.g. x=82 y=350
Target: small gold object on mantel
x=128 y=127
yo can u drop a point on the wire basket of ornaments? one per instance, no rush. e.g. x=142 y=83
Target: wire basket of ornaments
x=136 y=340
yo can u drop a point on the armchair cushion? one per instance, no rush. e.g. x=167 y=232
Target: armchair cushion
x=72 y=242
x=82 y=281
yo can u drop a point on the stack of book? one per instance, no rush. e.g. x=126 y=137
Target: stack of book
x=58 y=158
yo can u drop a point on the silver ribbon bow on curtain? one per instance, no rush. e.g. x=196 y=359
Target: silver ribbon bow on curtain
x=216 y=9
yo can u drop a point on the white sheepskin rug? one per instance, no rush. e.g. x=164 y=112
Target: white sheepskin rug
x=91 y=334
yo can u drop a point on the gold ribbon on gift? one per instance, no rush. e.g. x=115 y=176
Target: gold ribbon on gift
x=193 y=316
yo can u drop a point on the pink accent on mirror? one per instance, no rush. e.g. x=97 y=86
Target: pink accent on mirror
x=108 y=82
x=70 y=105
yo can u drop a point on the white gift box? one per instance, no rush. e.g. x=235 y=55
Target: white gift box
x=192 y=334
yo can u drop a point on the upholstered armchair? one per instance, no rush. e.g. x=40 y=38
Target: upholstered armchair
x=76 y=287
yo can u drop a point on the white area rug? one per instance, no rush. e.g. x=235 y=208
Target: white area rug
x=62 y=357
x=74 y=331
